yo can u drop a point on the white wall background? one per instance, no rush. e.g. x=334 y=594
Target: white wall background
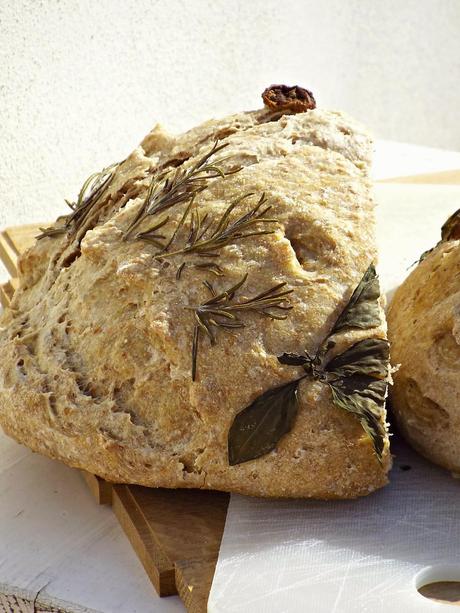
x=81 y=81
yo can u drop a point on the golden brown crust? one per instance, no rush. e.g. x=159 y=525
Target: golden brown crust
x=424 y=331
x=96 y=348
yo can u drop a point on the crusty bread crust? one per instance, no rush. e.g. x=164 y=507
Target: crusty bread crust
x=424 y=330
x=95 y=367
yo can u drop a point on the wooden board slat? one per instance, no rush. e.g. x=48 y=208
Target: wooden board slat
x=176 y=530
x=7 y=254
x=14 y=241
x=100 y=489
x=193 y=582
x=6 y=293
x=159 y=568
x=199 y=535
x=447 y=177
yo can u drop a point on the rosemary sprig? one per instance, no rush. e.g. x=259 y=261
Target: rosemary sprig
x=221 y=311
x=89 y=195
x=172 y=188
x=204 y=240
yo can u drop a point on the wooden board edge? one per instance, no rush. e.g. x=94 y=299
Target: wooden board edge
x=100 y=489
x=445 y=177
x=158 y=567
x=8 y=253
x=14 y=241
x=6 y=293
x=29 y=230
x=193 y=580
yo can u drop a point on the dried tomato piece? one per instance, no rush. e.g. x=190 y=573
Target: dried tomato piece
x=286 y=98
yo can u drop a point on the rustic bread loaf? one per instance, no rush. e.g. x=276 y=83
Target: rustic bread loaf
x=424 y=329
x=98 y=345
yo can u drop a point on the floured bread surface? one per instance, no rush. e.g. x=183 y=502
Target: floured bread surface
x=424 y=327
x=96 y=347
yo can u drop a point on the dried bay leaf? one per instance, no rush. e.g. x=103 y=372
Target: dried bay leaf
x=257 y=429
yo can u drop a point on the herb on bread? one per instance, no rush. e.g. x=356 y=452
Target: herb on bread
x=450 y=231
x=205 y=236
x=362 y=310
x=258 y=428
x=51 y=231
x=150 y=236
x=88 y=197
x=167 y=188
x=174 y=187
x=357 y=378
x=211 y=267
x=221 y=311
x=204 y=239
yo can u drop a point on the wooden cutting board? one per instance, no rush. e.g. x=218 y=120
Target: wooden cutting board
x=175 y=533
